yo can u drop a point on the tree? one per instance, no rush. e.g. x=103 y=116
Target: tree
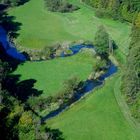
x=26 y=126
x=102 y=41
x=71 y=85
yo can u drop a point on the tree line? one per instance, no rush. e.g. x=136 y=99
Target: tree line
x=124 y=10
x=131 y=78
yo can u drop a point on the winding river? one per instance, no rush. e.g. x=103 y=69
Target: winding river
x=89 y=84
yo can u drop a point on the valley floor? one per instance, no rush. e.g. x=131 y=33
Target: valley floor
x=100 y=115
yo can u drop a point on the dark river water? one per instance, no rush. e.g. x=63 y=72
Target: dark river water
x=9 y=48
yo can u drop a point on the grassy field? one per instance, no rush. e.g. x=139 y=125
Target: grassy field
x=51 y=74
x=97 y=117
x=41 y=27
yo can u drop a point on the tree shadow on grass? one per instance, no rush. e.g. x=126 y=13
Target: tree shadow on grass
x=9 y=24
x=5 y=4
x=3 y=7
x=22 y=90
x=56 y=134
x=22 y=2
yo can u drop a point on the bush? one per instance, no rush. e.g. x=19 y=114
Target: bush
x=26 y=122
x=60 y=6
x=40 y=103
x=99 y=13
x=68 y=52
x=99 y=65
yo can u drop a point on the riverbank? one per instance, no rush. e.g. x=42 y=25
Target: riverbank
x=96 y=116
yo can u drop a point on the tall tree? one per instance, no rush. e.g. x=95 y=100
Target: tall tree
x=102 y=41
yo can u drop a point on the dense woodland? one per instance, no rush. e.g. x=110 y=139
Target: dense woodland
x=124 y=10
x=131 y=79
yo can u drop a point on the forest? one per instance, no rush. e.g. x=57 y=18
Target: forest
x=123 y=10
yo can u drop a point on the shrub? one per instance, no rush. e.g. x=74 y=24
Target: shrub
x=60 y=6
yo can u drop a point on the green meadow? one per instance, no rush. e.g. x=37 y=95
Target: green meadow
x=98 y=116
x=43 y=28
x=50 y=75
